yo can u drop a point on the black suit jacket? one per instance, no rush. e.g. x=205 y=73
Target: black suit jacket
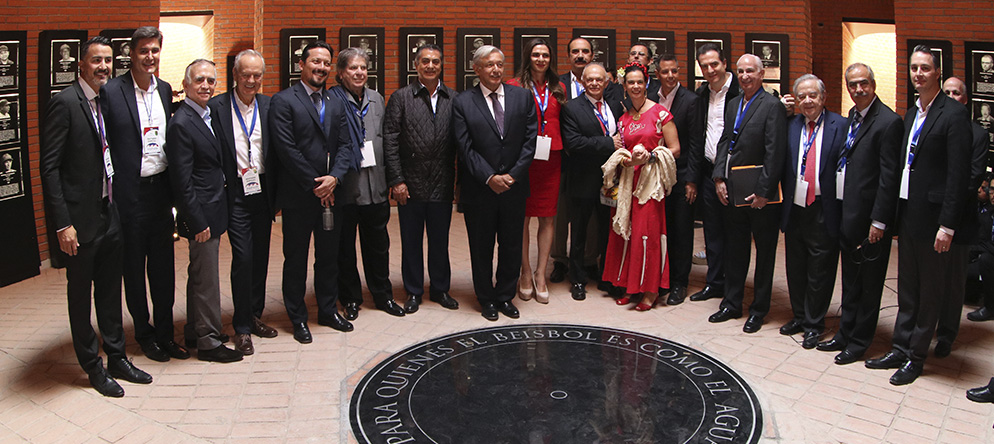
x=873 y=174
x=833 y=137
x=686 y=118
x=196 y=171
x=762 y=140
x=72 y=166
x=586 y=145
x=120 y=111
x=938 y=190
x=696 y=160
x=221 y=115
x=483 y=152
x=303 y=144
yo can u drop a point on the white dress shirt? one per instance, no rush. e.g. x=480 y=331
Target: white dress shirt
x=152 y=114
x=241 y=143
x=716 y=119
x=612 y=125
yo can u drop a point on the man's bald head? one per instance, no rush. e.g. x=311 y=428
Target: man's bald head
x=955 y=89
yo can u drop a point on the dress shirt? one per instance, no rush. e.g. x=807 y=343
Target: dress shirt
x=716 y=118
x=612 y=121
x=241 y=144
x=814 y=151
x=151 y=113
x=490 y=103
x=434 y=95
x=204 y=113
x=667 y=100
x=576 y=84
x=91 y=98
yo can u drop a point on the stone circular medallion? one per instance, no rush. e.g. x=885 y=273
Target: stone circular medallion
x=553 y=383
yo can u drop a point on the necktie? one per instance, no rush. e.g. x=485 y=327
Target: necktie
x=498 y=113
x=103 y=147
x=811 y=165
x=598 y=105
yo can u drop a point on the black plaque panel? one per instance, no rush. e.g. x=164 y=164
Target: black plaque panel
x=292 y=43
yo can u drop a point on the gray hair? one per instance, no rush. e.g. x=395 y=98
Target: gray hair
x=344 y=57
x=485 y=51
x=237 y=66
x=805 y=78
x=856 y=65
x=188 y=76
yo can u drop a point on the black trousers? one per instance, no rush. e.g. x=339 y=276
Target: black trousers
x=298 y=225
x=679 y=235
x=812 y=258
x=148 y=250
x=500 y=218
x=742 y=226
x=371 y=223
x=416 y=218
x=981 y=268
x=714 y=230
x=863 y=274
x=97 y=262
x=250 y=227
x=581 y=210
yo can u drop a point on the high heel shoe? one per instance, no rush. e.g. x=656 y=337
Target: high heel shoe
x=624 y=300
x=525 y=295
x=643 y=306
x=541 y=296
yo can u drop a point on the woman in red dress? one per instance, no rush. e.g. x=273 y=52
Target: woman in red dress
x=538 y=75
x=636 y=250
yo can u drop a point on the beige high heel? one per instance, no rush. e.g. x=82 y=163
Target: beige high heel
x=523 y=294
x=541 y=296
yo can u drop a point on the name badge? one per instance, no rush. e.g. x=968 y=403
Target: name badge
x=905 y=180
x=840 y=183
x=801 y=193
x=251 y=183
x=543 y=144
x=368 y=155
x=150 y=136
x=108 y=164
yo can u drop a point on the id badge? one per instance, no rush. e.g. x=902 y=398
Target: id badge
x=543 y=144
x=905 y=180
x=150 y=137
x=801 y=193
x=108 y=164
x=840 y=183
x=368 y=155
x=251 y=182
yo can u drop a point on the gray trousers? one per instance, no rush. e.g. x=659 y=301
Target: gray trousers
x=203 y=295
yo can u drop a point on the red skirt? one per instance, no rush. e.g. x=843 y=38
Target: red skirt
x=639 y=264
x=543 y=182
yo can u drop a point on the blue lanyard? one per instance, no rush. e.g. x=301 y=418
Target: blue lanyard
x=739 y=114
x=543 y=104
x=601 y=117
x=578 y=87
x=850 y=139
x=916 y=132
x=248 y=131
x=361 y=115
x=810 y=143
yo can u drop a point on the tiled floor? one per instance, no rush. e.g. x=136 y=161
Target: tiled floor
x=289 y=392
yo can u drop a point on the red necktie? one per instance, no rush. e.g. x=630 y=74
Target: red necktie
x=601 y=114
x=811 y=168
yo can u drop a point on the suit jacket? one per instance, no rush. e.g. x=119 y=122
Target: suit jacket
x=196 y=171
x=123 y=124
x=978 y=166
x=72 y=165
x=482 y=150
x=224 y=129
x=685 y=116
x=873 y=174
x=833 y=138
x=697 y=162
x=586 y=145
x=303 y=144
x=938 y=190
x=762 y=140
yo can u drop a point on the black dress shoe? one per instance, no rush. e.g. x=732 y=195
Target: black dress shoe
x=831 y=345
x=980 y=315
x=175 y=350
x=578 y=291
x=262 y=330
x=105 y=385
x=847 y=357
x=723 y=315
x=810 y=339
x=391 y=307
x=444 y=300
x=792 y=327
x=489 y=311
x=351 y=310
x=981 y=394
x=907 y=373
x=412 y=304
x=753 y=324
x=301 y=333
x=942 y=349
x=706 y=293
x=677 y=295
x=559 y=270
x=122 y=368
x=154 y=352
x=893 y=359
x=509 y=310
x=604 y=286
x=221 y=353
x=243 y=343
x=337 y=322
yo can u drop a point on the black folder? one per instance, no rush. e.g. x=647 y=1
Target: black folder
x=741 y=184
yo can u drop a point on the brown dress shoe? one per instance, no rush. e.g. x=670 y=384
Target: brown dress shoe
x=243 y=343
x=262 y=330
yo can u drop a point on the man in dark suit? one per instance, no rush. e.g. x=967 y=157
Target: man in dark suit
x=136 y=109
x=310 y=134
x=754 y=135
x=197 y=177
x=934 y=192
x=494 y=127
x=590 y=135
x=869 y=171
x=239 y=119
x=76 y=176
x=682 y=104
x=811 y=223
x=720 y=87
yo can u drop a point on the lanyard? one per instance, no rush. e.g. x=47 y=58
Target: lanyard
x=578 y=87
x=811 y=142
x=543 y=104
x=916 y=132
x=248 y=131
x=738 y=119
x=321 y=111
x=601 y=117
x=361 y=115
x=850 y=139
x=148 y=107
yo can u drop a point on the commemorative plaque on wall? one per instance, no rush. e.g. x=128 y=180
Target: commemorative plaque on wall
x=980 y=86
x=410 y=40
x=697 y=39
x=292 y=44
x=468 y=40
x=369 y=40
x=773 y=51
x=120 y=45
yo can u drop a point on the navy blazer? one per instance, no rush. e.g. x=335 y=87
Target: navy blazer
x=196 y=171
x=833 y=138
x=221 y=115
x=586 y=146
x=303 y=144
x=120 y=111
x=482 y=150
